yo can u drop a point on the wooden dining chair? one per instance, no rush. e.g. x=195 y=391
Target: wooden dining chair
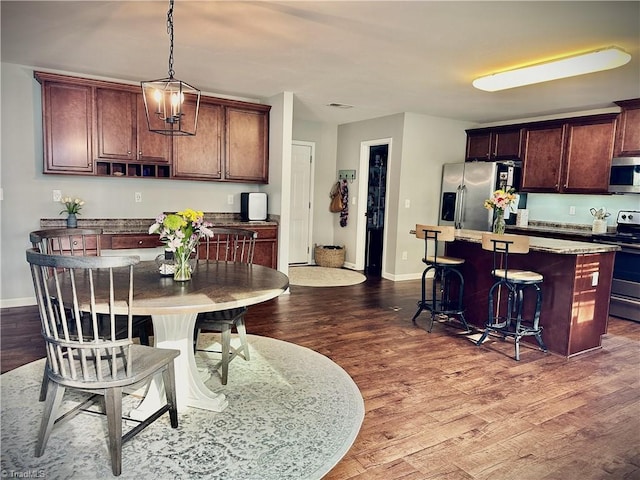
x=81 y=242
x=226 y=245
x=67 y=241
x=81 y=355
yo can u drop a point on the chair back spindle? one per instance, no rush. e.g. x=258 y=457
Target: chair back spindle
x=67 y=241
x=71 y=299
x=228 y=245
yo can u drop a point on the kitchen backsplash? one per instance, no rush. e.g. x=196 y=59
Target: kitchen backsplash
x=547 y=207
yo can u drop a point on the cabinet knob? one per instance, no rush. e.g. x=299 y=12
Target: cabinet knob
x=129 y=153
x=140 y=242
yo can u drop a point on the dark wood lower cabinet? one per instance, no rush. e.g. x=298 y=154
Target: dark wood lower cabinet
x=574 y=311
x=266 y=251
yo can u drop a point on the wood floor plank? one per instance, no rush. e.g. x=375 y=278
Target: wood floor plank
x=436 y=405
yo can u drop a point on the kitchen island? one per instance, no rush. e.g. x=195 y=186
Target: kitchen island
x=575 y=290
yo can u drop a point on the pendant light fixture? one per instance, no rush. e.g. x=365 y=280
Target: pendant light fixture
x=171 y=105
x=594 y=61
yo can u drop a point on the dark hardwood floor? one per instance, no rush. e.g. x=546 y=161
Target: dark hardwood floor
x=437 y=406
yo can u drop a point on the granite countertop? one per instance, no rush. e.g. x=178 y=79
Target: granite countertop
x=557 y=228
x=114 y=226
x=550 y=245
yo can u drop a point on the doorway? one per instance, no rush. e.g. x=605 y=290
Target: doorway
x=376 y=206
x=300 y=231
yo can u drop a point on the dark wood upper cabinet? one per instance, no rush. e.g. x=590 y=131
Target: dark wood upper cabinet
x=200 y=157
x=568 y=156
x=543 y=148
x=247 y=144
x=123 y=133
x=231 y=144
x=67 y=117
x=588 y=155
x=628 y=131
x=497 y=143
x=95 y=127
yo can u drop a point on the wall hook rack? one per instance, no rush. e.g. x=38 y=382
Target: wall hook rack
x=349 y=175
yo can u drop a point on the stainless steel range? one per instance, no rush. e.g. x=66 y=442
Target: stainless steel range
x=625 y=287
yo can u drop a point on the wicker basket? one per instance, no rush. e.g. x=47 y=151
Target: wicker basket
x=329 y=256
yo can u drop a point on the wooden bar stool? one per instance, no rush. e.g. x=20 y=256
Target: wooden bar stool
x=513 y=323
x=446 y=269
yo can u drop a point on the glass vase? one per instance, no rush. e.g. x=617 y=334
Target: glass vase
x=182 y=266
x=499 y=224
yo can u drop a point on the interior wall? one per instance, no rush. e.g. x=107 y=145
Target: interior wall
x=325 y=137
x=350 y=136
x=421 y=144
x=279 y=187
x=27 y=192
x=428 y=143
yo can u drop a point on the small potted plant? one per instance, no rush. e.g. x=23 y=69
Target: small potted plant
x=72 y=208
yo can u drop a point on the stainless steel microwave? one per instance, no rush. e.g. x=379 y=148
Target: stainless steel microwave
x=625 y=175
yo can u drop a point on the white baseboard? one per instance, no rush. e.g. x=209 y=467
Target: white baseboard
x=18 y=302
x=404 y=276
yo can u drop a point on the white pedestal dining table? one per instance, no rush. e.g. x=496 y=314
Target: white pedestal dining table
x=174 y=307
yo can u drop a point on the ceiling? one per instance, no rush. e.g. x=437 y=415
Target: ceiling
x=381 y=57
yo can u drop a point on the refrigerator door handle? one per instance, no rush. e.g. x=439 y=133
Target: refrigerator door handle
x=463 y=199
x=458 y=208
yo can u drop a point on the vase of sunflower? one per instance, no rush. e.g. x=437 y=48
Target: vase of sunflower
x=181 y=232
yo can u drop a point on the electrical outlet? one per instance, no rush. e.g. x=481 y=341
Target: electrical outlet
x=229 y=199
x=57 y=195
x=572 y=210
x=404 y=255
x=407 y=203
x=138 y=197
x=595 y=276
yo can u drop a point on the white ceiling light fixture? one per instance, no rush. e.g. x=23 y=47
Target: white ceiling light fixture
x=571 y=66
x=171 y=105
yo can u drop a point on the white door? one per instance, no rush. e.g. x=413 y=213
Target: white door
x=301 y=194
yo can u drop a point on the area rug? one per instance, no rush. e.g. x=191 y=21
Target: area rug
x=292 y=414
x=324 y=277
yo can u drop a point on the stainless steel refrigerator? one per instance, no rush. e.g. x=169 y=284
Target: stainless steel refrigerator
x=465 y=187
